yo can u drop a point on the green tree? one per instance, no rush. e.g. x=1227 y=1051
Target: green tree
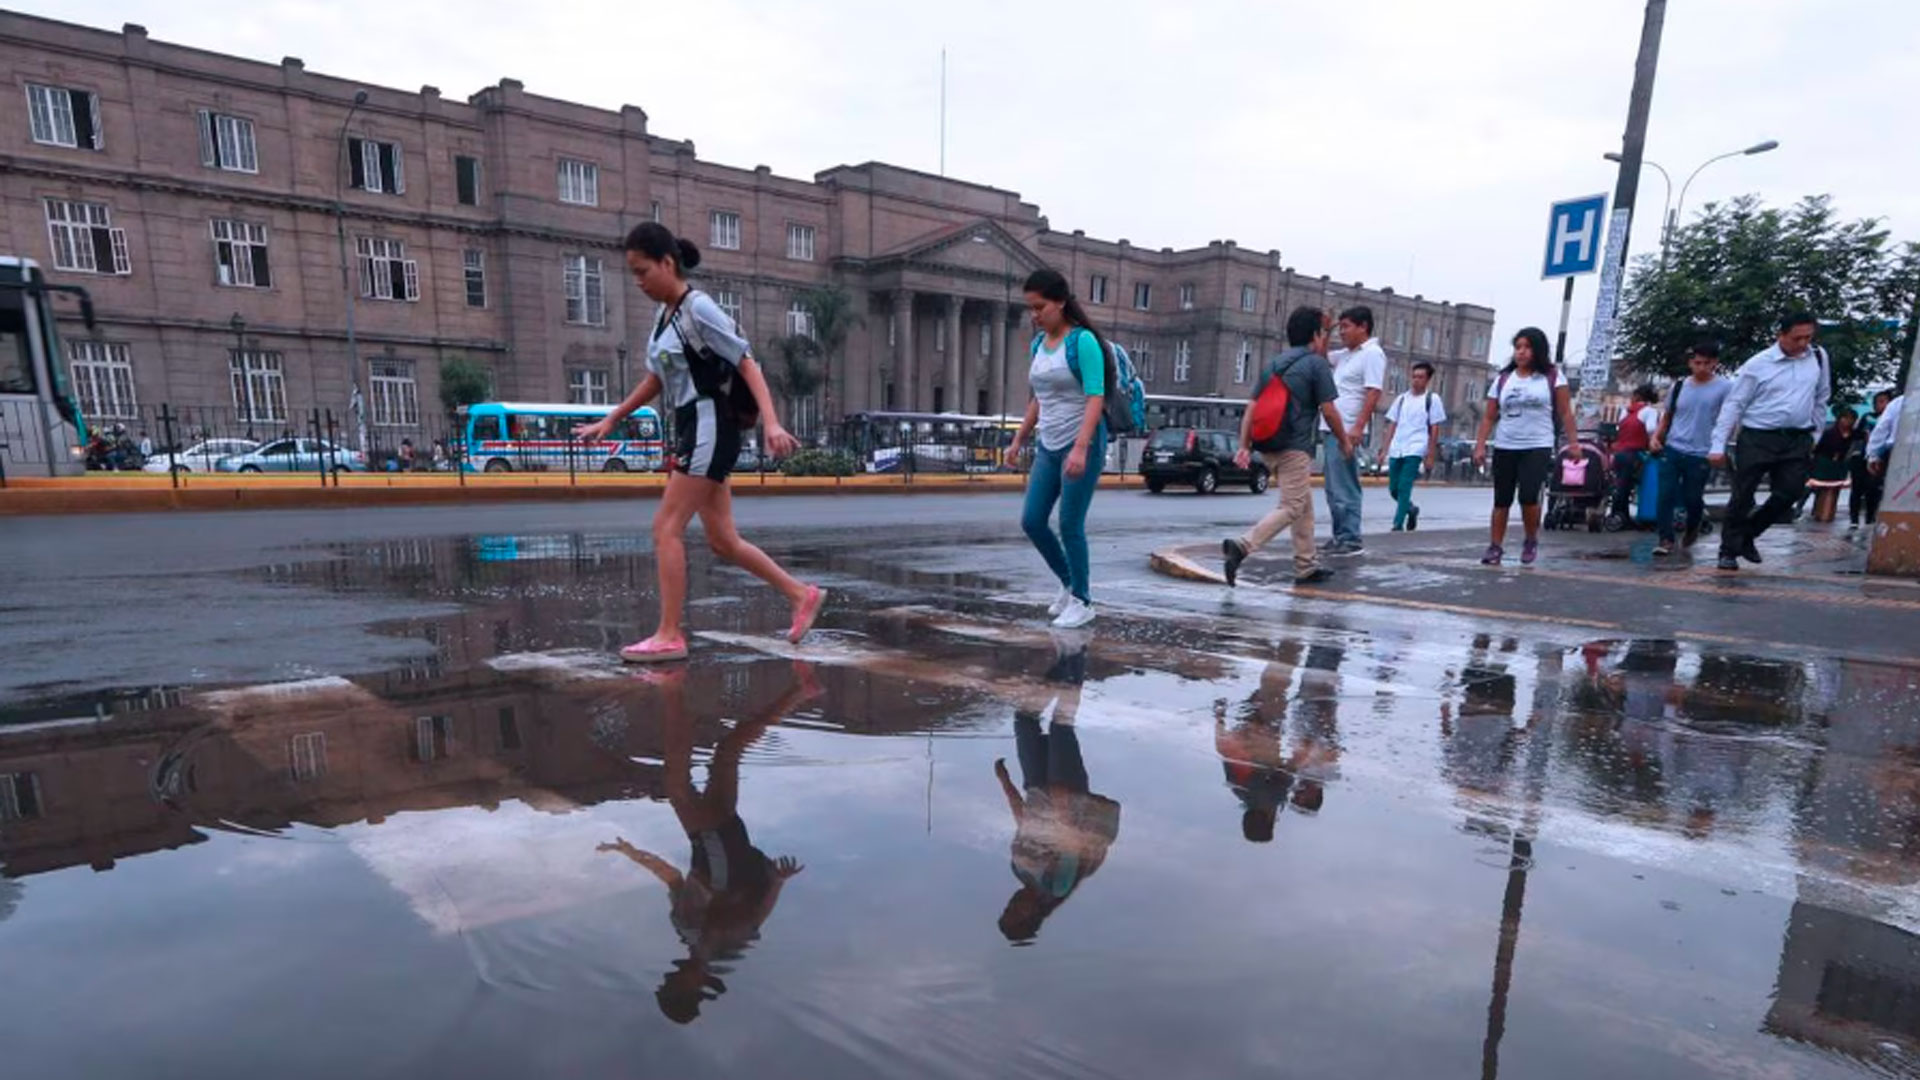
x=831 y=312
x=1733 y=271
x=463 y=382
x=797 y=376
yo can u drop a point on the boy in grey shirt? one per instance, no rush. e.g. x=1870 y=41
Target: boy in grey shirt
x=1683 y=442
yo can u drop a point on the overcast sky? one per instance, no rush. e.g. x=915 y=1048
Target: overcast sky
x=1394 y=142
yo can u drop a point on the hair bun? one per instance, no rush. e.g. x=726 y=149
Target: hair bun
x=689 y=254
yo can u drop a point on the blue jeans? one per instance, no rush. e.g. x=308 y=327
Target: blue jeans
x=1682 y=477
x=1343 y=492
x=1401 y=474
x=1066 y=554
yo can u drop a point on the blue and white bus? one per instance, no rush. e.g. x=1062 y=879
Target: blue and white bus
x=514 y=436
x=41 y=430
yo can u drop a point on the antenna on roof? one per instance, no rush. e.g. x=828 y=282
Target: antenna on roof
x=943 y=110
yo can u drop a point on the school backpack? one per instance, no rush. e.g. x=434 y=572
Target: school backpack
x=1270 y=410
x=1125 y=405
x=714 y=376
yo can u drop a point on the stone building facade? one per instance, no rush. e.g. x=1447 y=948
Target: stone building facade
x=206 y=200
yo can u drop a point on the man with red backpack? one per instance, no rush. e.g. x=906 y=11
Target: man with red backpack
x=1279 y=425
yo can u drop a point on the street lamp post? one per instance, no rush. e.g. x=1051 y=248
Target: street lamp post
x=340 y=166
x=1670 y=220
x=1757 y=148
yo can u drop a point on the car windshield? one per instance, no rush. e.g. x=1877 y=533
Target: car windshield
x=1168 y=439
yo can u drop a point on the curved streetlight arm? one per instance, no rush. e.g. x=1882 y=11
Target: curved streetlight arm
x=1757 y=148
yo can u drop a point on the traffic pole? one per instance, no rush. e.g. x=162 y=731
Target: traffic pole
x=1566 y=316
x=1596 y=374
x=1896 y=534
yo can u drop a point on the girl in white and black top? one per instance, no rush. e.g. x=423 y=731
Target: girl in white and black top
x=1521 y=405
x=700 y=364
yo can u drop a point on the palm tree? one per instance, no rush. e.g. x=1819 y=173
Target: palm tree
x=833 y=317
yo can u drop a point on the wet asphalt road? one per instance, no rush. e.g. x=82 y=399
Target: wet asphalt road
x=324 y=795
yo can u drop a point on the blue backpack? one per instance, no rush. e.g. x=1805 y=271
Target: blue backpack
x=1125 y=407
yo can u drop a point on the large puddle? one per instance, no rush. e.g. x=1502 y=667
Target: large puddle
x=938 y=840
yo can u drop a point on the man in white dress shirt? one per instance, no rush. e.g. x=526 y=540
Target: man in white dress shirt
x=1770 y=421
x=1880 y=443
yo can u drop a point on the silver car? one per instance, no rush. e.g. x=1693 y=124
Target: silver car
x=295 y=455
x=201 y=457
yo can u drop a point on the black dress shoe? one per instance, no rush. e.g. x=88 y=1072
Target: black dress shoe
x=1728 y=562
x=1314 y=576
x=1749 y=552
x=1236 y=554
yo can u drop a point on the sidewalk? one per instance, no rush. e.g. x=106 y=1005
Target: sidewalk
x=1810 y=590
x=135 y=492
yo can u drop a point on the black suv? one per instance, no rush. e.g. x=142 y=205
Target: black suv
x=1197 y=458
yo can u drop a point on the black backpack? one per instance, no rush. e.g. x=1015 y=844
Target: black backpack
x=714 y=376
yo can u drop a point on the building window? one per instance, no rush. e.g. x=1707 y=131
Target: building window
x=939 y=337
x=474 y=263
x=586 y=290
x=1400 y=333
x=1426 y=339
x=799 y=320
x=725 y=233
x=61 y=117
x=1478 y=347
x=19 y=796
x=466 y=179
x=307 y=756
x=1249 y=298
x=84 y=239
x=102 y=379
x=385 y=271
x=986 y=338
x=586 y=386
x=378 y=167
x=396 y=397
x=1186 y=297
x=579 y=182
x=1182 y=361
x=1142 y=295
x=728 y=300
x=259 y=386
x=800 y=242
x=226 y=142
x=432 y=736
x=1143 y=361
x=240 y=254
x=1097 y=289
x=1243 y=362
x=653 y=212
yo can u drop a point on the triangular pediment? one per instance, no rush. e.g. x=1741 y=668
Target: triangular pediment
x=979 y=246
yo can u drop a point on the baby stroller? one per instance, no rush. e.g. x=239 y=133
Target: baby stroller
x=1577 y=490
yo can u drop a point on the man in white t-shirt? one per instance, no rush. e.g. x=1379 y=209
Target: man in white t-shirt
x=1413 y=439
x=1359 y=375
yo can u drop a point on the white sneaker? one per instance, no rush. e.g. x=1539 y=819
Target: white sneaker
x=1076 y=614
x=1059 y=602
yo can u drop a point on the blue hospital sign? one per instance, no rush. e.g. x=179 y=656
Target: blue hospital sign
x=1575 y=230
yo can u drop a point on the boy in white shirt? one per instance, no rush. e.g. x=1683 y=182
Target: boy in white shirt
x=1413 y=439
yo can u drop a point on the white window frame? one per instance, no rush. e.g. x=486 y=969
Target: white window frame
x=1187 y=293
x=1143 y=361
x=1182 y=360
x=307 y=756
x=986 y=338
x=1249 y=298
x=1243 y=362
x=385 y=271
x=102 y=376
x=51 y=119
x=479 y=182
x=723 y=231
x=799 y=321
x=73 y=232
x=940 y=335
x=473 y=275
x=579 y=182
x=259 y=381
x=1097 y=289
x=587 y=386
x=1427 y=339
x=653 y=212
x=1143 y=296
x=11 y=784
x=393 y=393
x=1400 y=333
x=728 y=300
x=583 y=281
x=371 y=179
x=227 y=143
x=800 y=240
x=233 y=246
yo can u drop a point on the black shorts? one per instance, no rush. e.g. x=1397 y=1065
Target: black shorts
x=1521 y=471
x=706 y=440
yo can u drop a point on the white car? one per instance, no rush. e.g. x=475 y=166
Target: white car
x=202 y=457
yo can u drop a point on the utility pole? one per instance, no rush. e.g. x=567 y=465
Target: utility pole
x=1597 y=373
x=1896 y=536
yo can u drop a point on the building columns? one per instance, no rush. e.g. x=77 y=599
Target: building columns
x=997 y=368
x=952 y=380
x=903 y=365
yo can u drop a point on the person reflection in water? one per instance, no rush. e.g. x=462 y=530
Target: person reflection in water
x=730 y=887
x=1062 y=830
x=1265 y=776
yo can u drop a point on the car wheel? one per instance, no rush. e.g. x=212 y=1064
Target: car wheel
x=614 y=464
x=1260 y=481
x=499 y=465
x=1209 y=480
x=250 y=468
x=1156 y=486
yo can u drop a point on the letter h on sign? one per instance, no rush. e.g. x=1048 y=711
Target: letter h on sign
x=1573 y=237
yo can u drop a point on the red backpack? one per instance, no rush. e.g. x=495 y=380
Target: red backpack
x=1270 y=409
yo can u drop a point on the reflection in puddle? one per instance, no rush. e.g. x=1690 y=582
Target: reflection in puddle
x=1489 y=851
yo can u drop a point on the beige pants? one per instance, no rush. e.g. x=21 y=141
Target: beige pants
x=1293 y=478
